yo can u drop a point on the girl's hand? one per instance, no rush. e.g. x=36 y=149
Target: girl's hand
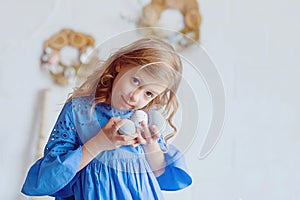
x=149 y=135
x=113 y=138
x=153 y=152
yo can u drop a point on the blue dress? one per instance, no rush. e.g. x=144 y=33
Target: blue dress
x=118 y=174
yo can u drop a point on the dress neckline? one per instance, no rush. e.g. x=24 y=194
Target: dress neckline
x=112 y=111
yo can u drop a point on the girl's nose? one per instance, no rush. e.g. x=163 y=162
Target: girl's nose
x=135 y=95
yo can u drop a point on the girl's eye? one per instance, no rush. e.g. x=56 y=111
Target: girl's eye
x=135 y=81
x=149 y=94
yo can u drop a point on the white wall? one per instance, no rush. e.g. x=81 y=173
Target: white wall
x=256 y=47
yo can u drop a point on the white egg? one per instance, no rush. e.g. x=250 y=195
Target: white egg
x=128 y=128
x=157 y=119
x=138 y=117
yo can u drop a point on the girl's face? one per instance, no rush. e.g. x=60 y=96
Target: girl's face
x=134 y=88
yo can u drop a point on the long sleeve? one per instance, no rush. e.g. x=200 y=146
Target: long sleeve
x=62 y=156
x=176 y=175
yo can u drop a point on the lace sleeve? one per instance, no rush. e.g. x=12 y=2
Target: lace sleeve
x=62 y=156
x=176 y=176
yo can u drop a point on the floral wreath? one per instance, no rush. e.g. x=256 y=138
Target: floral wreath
x=190 y=12
x=61 y=73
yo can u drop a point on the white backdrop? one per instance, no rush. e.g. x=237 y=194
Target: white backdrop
x=256 y=47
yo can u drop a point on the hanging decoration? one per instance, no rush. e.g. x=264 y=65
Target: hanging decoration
x=64 y=72
x=191 y=17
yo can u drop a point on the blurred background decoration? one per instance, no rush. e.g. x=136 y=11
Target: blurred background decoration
x=64 y=54
x=188 y=24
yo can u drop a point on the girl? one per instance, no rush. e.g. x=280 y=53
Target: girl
x=87 y=158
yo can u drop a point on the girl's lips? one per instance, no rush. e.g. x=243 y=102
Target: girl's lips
x=126 y=102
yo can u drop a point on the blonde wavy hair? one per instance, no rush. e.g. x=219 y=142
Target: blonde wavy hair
x=156 y=57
